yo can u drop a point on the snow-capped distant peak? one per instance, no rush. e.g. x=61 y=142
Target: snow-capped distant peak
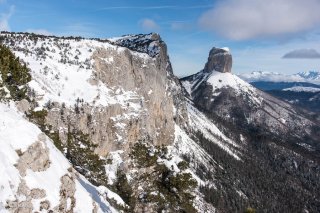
x=310 y=75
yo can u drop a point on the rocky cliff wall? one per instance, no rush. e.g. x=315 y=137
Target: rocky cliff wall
x=137 y=96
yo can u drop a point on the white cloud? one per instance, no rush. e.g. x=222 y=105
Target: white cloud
x=269 y=58
x=269 y=76
x=302 y=53
x=39 y=31
x=4 y=19
x=246 y=19
x=149 y=25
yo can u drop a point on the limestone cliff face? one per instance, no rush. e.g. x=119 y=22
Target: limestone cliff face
x=153 y=45
x=142 y=101
x=148 y=115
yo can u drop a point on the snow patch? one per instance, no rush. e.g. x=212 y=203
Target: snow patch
x=115 y=160
x=219 y=80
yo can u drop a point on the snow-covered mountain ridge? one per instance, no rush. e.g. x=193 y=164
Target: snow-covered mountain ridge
x=307 y=76
x=310 y=75
x=262 y=129
x=301 y=89
x=96 y=99
x=114 y=109
x=88 y=74
x=207 y=89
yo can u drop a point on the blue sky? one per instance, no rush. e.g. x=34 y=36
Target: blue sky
x=258 y=32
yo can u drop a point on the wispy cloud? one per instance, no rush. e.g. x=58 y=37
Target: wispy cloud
x=172 y=7
x=149 y=25
x=4 y=19
x=247 y=19
x=302 y=54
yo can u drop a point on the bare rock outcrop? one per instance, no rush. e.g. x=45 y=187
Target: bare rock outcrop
x=23 y=201
x=219 y=60
x=67 y=190
x=155 y=103
x=36 y=158
x=23 y=105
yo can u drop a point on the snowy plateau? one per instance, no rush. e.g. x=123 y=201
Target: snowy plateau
x=104 y=125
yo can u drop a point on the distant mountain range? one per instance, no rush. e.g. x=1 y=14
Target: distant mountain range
x=307 y=76
x=301 y=89
x=310 y=75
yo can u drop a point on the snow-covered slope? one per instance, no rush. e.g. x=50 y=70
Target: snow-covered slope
x=35 y=176
x=63 y=71
x=119 y=115
x=220 y=81
x=200 y=123
x=227 y=96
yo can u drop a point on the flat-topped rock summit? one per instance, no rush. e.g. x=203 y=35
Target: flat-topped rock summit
x=220 y=59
